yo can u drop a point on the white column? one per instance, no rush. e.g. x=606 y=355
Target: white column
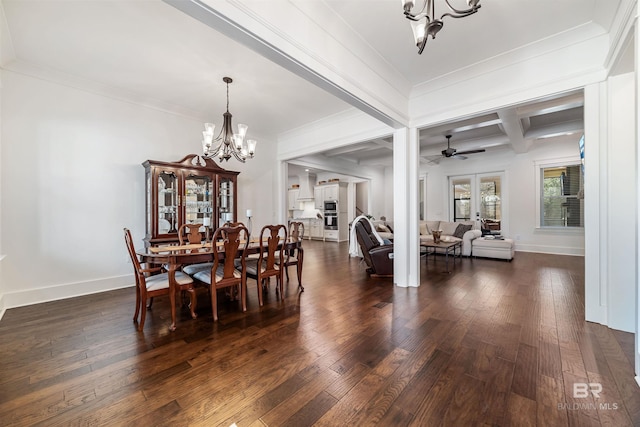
x=595 y=205
x=637 y=136
x=406 y=240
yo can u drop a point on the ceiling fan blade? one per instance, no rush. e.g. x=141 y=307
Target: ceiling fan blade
x=432 y=160
x=482 y=150
x=459 y=157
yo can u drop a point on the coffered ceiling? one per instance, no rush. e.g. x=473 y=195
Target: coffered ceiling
x=515 y=128
x=152 y=53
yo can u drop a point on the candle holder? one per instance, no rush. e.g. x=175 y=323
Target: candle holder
x=249 y=215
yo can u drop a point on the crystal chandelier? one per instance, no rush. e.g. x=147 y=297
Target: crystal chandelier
x=227 y=143
x=425 y=24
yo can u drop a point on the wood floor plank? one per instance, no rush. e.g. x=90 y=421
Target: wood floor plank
x=521 y=412
x=492 y=344
x=525 y=376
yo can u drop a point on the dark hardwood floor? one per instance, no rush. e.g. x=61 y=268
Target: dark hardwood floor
x=492 y=344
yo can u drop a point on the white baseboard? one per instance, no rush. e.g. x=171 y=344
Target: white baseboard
x=638 y=380
x=2 y=309
x=58 y=292
x=554 y=250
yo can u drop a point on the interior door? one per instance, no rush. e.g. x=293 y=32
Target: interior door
x=478 y=197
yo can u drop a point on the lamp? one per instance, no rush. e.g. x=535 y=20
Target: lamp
x=425 y=24
x=228 y=143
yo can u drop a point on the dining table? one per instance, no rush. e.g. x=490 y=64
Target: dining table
x=174 y=256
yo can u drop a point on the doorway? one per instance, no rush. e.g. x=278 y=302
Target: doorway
x=478 y=197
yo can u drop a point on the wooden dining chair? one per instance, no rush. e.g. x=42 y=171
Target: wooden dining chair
x=223 y=273
x=265 y=266
x=293 y=255
x=152 y=282
x=191 y=234
x=233 y=224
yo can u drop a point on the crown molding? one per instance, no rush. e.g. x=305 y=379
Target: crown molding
x=537 y=49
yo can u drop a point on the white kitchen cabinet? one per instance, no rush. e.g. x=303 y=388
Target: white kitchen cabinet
x=316 y=229
x=318 y=197
x=331 y=192
x=292 y=198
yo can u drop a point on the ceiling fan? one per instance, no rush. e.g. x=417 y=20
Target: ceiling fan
x=452 y=153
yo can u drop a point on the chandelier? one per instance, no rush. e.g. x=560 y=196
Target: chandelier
x=227 y=143
x=425 y=24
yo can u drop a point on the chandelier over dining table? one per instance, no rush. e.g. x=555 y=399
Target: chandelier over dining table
x=424 y=23
x=227 y=143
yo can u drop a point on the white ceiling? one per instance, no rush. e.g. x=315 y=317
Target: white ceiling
x=153 y=53
x=500 y=26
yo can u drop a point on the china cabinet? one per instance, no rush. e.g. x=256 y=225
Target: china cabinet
x=193 y=190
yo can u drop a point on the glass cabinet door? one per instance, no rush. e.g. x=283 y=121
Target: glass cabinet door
x=167 y=202
x=226 y=204
x=198 y=203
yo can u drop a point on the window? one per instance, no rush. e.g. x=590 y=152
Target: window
x=561 y=195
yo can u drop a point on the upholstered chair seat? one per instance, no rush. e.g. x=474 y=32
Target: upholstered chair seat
x=192 y=269
x=252 y=266
x=161 y=281
x=205 y=275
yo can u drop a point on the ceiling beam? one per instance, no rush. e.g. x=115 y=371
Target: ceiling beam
x=383 y=143
x=555 y=105
x=460 y=126
x=513 y=128
x=347 y=149
x=556 y=129
x=259 y=36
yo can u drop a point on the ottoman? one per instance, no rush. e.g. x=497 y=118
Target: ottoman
x=493 y=248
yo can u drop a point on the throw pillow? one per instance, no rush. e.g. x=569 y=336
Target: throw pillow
x=423 y=228
x=382 y=228
x=460 y=230
x=448 y=227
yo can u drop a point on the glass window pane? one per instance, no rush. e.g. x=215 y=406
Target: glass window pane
x=562 y=204
x=167 y=203
x=461 y=199
x=198 y=200
x=491 y=202
x=226 y=205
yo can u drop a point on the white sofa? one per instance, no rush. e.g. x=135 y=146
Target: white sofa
x=449 y=229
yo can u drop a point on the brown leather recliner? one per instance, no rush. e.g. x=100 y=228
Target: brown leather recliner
x=379 y=258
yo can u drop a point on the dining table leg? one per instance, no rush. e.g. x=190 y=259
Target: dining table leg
x=172 y=294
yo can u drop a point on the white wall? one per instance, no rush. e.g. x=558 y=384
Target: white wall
x=72 y=179
x=520 y=197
